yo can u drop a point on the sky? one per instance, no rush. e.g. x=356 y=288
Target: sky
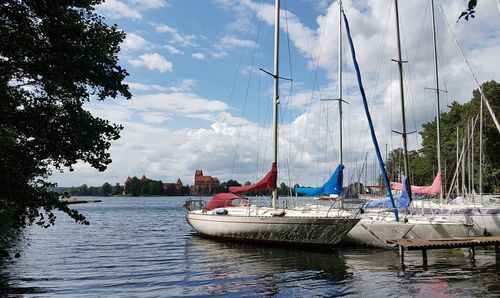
x=201 y=102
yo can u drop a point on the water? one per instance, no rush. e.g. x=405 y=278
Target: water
x=144 y=247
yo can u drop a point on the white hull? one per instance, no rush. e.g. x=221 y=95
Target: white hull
x=376 y=232
x=294 y=230
x=485 y=219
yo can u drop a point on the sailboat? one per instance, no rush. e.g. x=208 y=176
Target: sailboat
x=378 y=226
x=485 y=216
x=230 y=216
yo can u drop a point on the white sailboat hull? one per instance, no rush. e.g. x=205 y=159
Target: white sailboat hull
x=376 y=233
x=485 y=219
x=323 y=231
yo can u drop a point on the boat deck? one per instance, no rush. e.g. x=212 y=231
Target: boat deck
x=445 y=243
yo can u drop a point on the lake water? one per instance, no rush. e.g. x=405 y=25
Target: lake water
x=143 y=247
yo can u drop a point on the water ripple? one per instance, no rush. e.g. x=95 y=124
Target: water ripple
x=144 y=247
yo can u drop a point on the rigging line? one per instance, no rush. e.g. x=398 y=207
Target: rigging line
x=267 y=132
x=470 y=70
x=441 y=56
x=316 y=83
x=289 y=62
x=261 y=132
x=310 y=99
x=243 y=51
x=264 y=133
x=409 y=86
x=246 y=100
x=411 y=75
x=256 y=170
x=289 y=97
x=373 y=88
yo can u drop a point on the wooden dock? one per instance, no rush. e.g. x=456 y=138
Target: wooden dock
x=444 y=243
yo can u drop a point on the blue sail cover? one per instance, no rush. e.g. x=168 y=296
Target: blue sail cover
x=332 y=186
x=401 y=201
x=369 y=118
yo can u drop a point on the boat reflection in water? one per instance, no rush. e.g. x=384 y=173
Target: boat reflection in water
x=231 y=267
x=239 y=269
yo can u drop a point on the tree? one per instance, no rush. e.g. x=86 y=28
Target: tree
x=117 y=189
x=55 y=56
x=224 y=186
x=107 y=189
x=423 y=164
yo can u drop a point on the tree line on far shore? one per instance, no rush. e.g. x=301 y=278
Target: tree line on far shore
x=423 y=163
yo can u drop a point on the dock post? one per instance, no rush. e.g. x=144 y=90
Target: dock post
x=473 y=253
x=424 y=258
x=402 y=255
x=497 y=251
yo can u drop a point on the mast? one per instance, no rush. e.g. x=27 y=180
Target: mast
x=438 y=108
x=469 y=128
x=481 y=151
x=366 y=172
x=457 y=184
x=275 y=93
x=400 y=66
x=463 y=167
x=340 y=82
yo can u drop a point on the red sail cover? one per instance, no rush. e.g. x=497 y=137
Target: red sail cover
x=269 y=181
x=435 y=188
x=222 y=199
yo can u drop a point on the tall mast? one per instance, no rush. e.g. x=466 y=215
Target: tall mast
x=481 y=151
x=400 y=66
x=275 y=93
x=469 y=128
x=438 y=109
x=340 y=82
x=458 y=174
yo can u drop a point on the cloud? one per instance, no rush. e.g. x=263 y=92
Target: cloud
x=172 y=50
x=154 y=117
x=235 y=42
x=117 y=9
x=133 y=42
x=179 y=103
x=153 y=61
x=149 y=4
x=184 y=86
x=231 y=42
x=198 y=56
x=182 y=40
x=145 y=87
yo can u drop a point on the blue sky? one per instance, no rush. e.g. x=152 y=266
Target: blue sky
x=200 y=102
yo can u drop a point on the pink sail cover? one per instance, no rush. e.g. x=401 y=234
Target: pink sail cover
x=269 y=181
x=222 y=199
x=435 y=188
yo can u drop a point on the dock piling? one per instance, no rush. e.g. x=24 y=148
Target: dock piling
x=443 y=243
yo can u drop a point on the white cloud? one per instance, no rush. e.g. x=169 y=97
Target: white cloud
x=149 y=4
x=185 y=86
x=154 y=117
x=117 y=9
x=198 y=56
x=177 y=38
x=172 y=50
x=133 y=42
x=235 y=42
x=179 y=103
x=145 y=87
x=153 y=61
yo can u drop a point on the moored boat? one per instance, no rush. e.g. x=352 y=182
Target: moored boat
x=230 y=216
